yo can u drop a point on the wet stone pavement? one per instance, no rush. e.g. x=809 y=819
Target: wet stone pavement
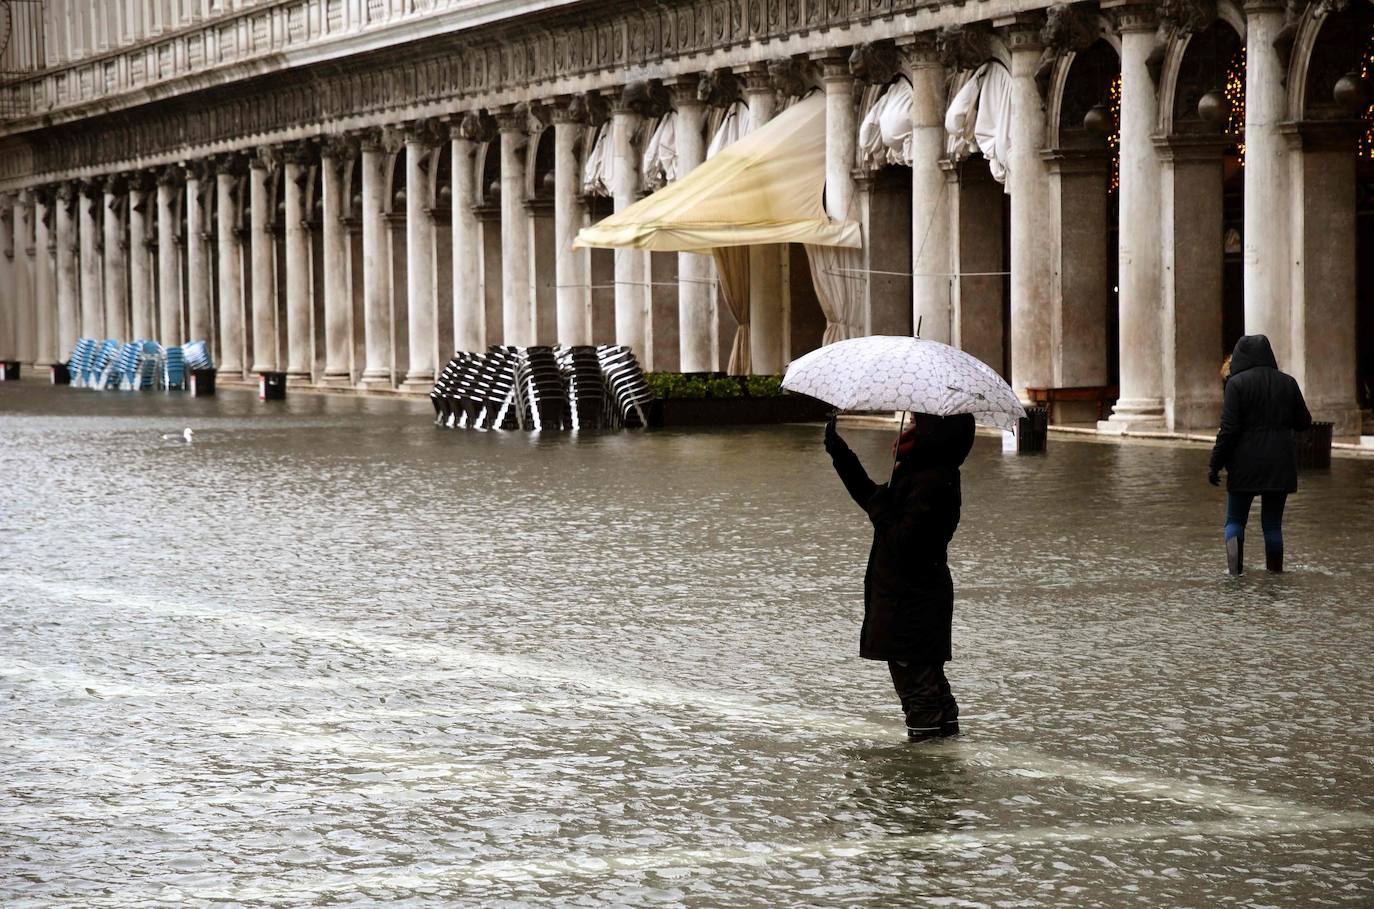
x=329 y=655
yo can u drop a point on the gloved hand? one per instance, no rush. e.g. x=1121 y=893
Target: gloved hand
x=833 y=442
x=1214 y=477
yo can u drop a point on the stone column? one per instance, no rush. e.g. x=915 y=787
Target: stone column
x=299 y=340
x=142 y=295
x=231 y=340
x=1268 y=258
x=1141 y=405
x=570 y=265
x=169 y=327
x=9 y=304
x=263 y=284
x=517 y=306
x=23 y=304
x=376 y=265
x=45 y=299
x=977 y=221
x=631 y=265
x=469 y=314
x=198 y=295
x=841 y=134
x=116 y=245
x=68 y=270
x=1323 y=356
x=1191 y=274
x=695 y=315
x=1078 y=275
x=338 y=310
x=423 y=314
x=766 y=292
x=930 y=207
x=1028 y=184
x=92 y=294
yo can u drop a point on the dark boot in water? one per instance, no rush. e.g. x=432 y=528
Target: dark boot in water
x=1234 y=559
x=1273 y=559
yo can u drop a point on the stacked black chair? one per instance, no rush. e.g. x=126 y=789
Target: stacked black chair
x=543 y=401
x=440 y=397
x=497 y=382
x=465 y=402
x=586 y=390
x=626 y=389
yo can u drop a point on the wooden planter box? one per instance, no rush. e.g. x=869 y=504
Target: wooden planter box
x=736 y=411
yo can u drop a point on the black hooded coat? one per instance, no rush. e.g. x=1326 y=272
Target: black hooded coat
x=908 y=594
x=1260 y=410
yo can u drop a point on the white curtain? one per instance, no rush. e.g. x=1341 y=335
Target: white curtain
x=658 y=166
x=979 y=119
x=733 y=126
x=837 y=273
x=885 y=133
x=596 y=173
x=732 y=267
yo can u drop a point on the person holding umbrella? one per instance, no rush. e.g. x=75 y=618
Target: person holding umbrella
x=1260 y=409
x=908 y=592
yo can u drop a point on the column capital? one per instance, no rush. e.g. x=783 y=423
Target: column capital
x=789 y=75
x=170 y=175
x=719 y=88
x=338 y=147
x=962 y=47
x=755 y=78
x=1135 y=16
x=646 y=97
x=378 y=139
x=475 y=126
x=834 y=65
x=1097 y=161
x=1263 y=6
x=589 y=109
x=876 y=62
x=265 y=157
x=1022 y=32
x=685 y=90
x=513 y=119
x=198 y=168
x=920 y=50
x=300 y=153
x=114 y=184
x=66 y=192
x=426 y=131
x=560 y=110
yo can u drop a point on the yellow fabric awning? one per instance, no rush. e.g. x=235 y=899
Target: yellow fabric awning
x=766 y=188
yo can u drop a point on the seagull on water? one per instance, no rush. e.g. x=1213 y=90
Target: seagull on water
x=185 y=434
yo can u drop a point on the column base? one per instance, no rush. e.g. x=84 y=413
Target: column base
x=418 y=381
x=296 y=377
x=375 y=379
x=337 y=380
x=1184 y=415
x=1134 y=415
x=1345 y=416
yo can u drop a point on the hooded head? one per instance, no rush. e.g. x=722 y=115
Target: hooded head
x=1252 y=351
x=933 y=441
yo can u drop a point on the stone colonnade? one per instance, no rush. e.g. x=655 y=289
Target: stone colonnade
x=292 y=258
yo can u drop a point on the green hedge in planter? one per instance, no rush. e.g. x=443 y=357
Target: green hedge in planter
x=709 y=386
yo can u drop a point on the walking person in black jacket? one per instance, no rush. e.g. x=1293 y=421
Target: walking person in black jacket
x=908 y=593
x=1260 y=411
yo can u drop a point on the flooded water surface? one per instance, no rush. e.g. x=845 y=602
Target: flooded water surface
x=328 y=654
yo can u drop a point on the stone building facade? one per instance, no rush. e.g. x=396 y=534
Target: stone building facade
x=347 y=191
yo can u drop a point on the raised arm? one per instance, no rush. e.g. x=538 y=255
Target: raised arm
x=847 y=465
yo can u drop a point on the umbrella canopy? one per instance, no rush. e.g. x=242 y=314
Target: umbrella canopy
x=766 y=188
x=883 y=372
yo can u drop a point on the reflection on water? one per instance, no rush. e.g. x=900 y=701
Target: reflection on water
x=327 y=654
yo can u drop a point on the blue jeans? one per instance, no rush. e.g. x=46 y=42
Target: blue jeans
x=1271 y=516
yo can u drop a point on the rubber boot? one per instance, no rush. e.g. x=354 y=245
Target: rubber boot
x=1273 y=559
x=1234 y=555
x=922 y=733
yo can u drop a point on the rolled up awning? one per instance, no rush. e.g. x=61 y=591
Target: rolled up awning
x=766 y=188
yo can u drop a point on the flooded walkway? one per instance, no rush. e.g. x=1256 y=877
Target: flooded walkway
x=330 y=655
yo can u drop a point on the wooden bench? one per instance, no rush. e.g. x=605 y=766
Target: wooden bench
x=1103 y=395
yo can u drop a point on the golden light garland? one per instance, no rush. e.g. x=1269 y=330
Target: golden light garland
x=1366 y=147
x=1235 y=96
x=1114 y=137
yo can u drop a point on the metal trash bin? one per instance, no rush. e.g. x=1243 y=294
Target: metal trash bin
x=9 y=371
x=271 y=386
x=1314 y=447
x=61 y=375
x=202 y=383
x=1033 y=430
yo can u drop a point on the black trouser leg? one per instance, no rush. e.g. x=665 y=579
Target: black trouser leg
x=918 y=686
x=949 y=708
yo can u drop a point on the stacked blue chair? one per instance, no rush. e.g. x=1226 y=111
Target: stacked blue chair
x=174 y=368
x=95 y=374
x=197 y=355
x=80 y=359
x=125 y=368
x=149 y=367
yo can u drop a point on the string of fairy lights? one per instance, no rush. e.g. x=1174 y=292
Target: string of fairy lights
x=1366 y=147
x=1235 y=97
x=1114 y=137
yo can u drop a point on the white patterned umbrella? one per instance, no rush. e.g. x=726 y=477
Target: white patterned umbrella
x=883 y=372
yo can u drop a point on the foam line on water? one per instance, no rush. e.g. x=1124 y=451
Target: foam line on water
x=1025 y=761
